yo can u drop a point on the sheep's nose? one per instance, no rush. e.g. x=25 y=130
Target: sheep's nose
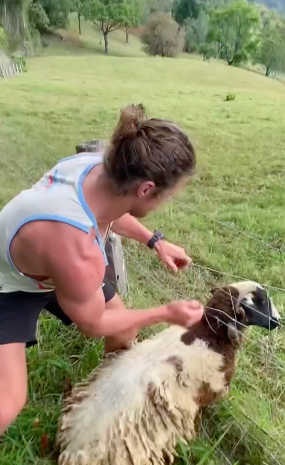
x=274 y=323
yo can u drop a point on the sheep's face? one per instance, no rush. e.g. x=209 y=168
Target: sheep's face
x=258 y=308
x=231 y=309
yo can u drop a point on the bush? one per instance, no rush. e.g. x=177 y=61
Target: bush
x=208 y=50
x=162 y=36
x=20 y=61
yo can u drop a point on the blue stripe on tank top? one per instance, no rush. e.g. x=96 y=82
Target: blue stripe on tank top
x=31 y=218
x=81 y=155
x=86 y=208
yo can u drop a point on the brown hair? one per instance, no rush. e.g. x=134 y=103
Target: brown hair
x=143 y=149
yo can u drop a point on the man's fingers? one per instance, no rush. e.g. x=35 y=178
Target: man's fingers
x=183 y=264
x=170 y=263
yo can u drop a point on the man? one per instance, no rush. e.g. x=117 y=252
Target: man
x=52 y=250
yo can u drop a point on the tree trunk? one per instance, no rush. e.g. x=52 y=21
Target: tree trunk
x=79 y=23
x=127 y=35
x=106 y=44
x=267 y=71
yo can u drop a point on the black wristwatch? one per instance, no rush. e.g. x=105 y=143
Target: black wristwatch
x=157 y=236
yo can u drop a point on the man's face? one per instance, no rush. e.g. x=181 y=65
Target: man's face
x=146 y=201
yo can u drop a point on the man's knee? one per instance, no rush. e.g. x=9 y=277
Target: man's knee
x=10 y=407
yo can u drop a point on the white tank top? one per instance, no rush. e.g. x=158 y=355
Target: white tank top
x=57 y=196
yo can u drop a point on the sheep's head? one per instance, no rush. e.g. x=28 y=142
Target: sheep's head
x=239 y=305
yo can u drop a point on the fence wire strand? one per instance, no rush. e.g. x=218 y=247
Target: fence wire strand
x=234 y=230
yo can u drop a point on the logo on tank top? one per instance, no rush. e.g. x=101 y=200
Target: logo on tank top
x=53 y=179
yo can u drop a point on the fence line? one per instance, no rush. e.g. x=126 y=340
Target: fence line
x=234 y=230
x=11 y=69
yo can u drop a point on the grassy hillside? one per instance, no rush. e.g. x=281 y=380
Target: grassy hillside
x=90 y=42
x=230 y=219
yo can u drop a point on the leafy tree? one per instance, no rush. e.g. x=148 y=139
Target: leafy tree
x=38 y=17
x=208 y=50
x=184 y=9
x=80 y=7
x=134 y=14
x=234 y=28
x=271 y=52
x=57 y=11
x=110 y=15
x=197 y=30
x=162 y=36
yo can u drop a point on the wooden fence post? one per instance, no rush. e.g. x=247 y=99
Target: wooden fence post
x=116 y=271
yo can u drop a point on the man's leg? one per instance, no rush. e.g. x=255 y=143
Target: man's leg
x=13 y=383
x=19 y=312
x=122 y=341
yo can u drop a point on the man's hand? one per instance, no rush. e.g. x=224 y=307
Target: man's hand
x=172 y=255
x=185 y=313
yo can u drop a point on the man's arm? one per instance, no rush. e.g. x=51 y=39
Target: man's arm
x=172 y=255
x=76 y=265
x=130 y=227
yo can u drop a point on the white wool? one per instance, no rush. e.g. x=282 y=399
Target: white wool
x=138 y=405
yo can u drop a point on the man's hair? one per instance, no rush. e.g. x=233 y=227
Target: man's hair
x=143 y=149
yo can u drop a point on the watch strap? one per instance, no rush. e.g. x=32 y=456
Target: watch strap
x=157 y=236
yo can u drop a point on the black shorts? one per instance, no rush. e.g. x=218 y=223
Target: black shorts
x=19 y=313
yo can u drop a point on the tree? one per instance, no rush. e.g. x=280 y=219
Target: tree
x=197 y=30
x=38 y=17
x=162 y=36
x=184 y=9
x=80 y=7
x=57 y=11
x=234 y=27
x=134 y=14
x=108 y=16
x=271 y=52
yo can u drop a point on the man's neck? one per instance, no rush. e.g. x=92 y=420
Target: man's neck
x=101 y=199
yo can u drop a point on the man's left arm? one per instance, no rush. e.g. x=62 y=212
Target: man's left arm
x=172 y=255
x=130 y=227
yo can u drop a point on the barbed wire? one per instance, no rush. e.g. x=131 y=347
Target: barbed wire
x=268 y=286
x=234 y=230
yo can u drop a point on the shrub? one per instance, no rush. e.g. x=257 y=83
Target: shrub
x=162 y=36
x=230 y=97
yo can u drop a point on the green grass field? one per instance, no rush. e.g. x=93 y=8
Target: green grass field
x=230 y=219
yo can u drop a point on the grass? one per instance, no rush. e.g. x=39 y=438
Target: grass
x=230 y=219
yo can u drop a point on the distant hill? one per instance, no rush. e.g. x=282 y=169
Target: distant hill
x=274 y=4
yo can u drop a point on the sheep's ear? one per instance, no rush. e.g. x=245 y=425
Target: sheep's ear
x=213 y=290
x=235 y=336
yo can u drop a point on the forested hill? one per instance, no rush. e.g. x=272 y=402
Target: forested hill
x=274 y=4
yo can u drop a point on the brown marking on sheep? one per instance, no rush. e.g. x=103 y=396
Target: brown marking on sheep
x=177 y=362
x=213 y=328
x=216 y=331
x=206 y=396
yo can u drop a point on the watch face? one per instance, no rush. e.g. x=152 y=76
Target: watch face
x=158 y=235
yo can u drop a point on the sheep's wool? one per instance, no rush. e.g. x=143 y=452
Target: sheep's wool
x=135 y=409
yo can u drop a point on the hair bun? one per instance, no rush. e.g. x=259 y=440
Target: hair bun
x=130 y=121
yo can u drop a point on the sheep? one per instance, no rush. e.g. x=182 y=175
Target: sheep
x=134 y=409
